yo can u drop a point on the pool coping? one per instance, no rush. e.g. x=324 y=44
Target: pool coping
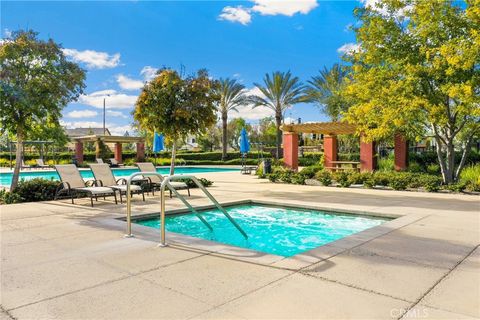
x=296 y=262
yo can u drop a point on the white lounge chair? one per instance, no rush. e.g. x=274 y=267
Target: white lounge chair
x=115 y=163
x=41 y=164
x=73 y=184
x=99 y=160
x=104 y=175
x=25 y=166
x=156 y=181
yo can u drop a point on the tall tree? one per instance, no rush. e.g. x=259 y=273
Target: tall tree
x=279 y=92
x=325 y=90
x=36 y=83
x=232 y=95
x=176 y=106
x=235 y=127
x=418 y=72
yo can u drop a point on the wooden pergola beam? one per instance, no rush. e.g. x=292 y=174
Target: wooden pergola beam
x=109 y=139
x=328 y=128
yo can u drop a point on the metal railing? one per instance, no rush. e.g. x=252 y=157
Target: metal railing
x=166 y=184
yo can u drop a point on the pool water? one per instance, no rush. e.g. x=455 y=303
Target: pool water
x=276 y=230
x=6 y=178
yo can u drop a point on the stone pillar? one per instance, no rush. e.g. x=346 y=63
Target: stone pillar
x=290 y=150
x=79 y=152
x=400 y=152
x=140 y=151
x=118 y=152
x=368 y=158
x=330 y=147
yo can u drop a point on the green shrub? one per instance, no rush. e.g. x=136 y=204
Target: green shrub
x=386 y=164
x=37 y=189
x=470 y=176
x=357 y=177
x=415 y=167
x=433 y=168
x=259 y=171
x=7 y=197
x=399 y=181
x=368 y=180
x=324 y=176
x=309 y=172
x=430 y=183
x=287 y=175
x=381 y=178
x=298 y=178
x=455 y=187
x=273 y=177
x=342 y=178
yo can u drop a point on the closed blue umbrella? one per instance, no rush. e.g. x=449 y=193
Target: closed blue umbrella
x=244 y=143
x=158 y=144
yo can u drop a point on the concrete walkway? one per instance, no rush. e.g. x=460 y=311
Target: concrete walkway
x=64 y=261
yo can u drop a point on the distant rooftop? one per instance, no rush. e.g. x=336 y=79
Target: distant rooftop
x=80 y=132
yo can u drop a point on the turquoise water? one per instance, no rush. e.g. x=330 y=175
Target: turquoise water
x=6 y=178
x=276 y=230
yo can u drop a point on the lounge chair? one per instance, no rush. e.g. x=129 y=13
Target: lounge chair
x=103 y=175
x=25 y=166
x=72 y=184
x=41 y=164
x=114 y=163
x=156 y=181
x=99 y=160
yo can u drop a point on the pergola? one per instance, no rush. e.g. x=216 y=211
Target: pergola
x=118 y=140
x=330 y=130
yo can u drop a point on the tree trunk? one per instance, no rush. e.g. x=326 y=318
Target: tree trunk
x=18 y=160
x=174 y=154
x=278 y=120
x=466 y=151
x=224 y=137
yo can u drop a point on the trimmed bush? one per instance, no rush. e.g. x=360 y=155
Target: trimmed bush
x=470 y=176
x=309 y=172
x=37 y=189
x=399 y=181
x=324 y=176
x=342 y=178
x=192 y=185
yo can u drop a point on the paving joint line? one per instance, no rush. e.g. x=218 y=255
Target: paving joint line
x=437 y=283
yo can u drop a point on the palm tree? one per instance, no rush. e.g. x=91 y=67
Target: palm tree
x=325 y=89
x=231 y=95
x=280 y=92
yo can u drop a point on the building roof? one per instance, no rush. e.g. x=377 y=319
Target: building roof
x=329 y=128
x=79 y=132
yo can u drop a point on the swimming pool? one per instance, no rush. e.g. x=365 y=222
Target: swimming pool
x=6 y=177
x=283 y=231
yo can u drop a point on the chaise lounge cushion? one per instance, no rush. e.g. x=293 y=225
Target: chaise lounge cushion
x=96 y=190
x=123 y=187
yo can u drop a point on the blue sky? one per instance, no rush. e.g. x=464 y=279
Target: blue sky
x=121 y=43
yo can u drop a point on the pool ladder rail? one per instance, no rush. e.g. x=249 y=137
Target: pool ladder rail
x=166 y=184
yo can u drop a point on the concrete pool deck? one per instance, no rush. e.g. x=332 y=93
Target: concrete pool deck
x=66 y=261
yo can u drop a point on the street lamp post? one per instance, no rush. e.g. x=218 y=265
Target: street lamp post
x=104 y=131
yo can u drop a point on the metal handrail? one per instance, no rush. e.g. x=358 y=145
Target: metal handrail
x=166 y=183
x=129 y=203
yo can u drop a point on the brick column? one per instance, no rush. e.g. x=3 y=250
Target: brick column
x=79 y=152
x=118 y=152
x=140 y=151
x=368 y=158
x=401 y=152
x=330 y=146
x=290 y=150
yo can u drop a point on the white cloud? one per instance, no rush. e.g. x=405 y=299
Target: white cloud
x=93 y=59
x=116 y=130
x=82 y=124
x=248 y=112
x=236 y=14
x=114 y=100
x=380 y=8
x=116 y=114
x=148 y=72
x=128 y=83
x=82 y=114
x=284 y=7
x=349 y=48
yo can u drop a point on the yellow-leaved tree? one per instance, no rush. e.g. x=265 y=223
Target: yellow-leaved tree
x=417 y=71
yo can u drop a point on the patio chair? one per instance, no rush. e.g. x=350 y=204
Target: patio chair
x=73 y=184
x=99 y=160
x=104 y=175
x=114 y=163
x=25 y=166
x=41 y=164
x=155 y=181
